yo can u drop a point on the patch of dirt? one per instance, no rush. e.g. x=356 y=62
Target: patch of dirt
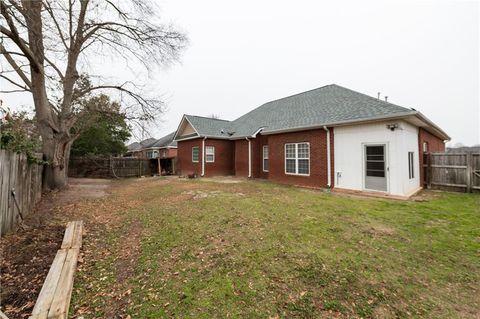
x=199 y=194
x=426 y=196
x=379 y=230
x=223 y=180
x=28 y=253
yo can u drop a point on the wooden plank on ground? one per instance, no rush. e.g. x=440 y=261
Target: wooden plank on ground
x=45 y=297
x=42 y=315
x=68 y=237
x=77 y=235
x=2 y=315
x=63 y=293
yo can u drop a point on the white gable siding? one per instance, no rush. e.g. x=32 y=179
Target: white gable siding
x=349 y=155
x=186 y=129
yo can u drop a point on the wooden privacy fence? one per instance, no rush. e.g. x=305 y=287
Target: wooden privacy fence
x=457 y=172
x=113 y=167
x=20 y=188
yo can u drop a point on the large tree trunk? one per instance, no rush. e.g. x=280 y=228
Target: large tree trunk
x=56 y=140
x=56 y=151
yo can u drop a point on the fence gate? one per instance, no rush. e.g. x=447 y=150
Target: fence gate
x=451 y=171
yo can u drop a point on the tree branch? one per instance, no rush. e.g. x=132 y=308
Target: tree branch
x=25 y=88
x=13 y=91
x=59 y=30
x=15 y=37
x=15 y=66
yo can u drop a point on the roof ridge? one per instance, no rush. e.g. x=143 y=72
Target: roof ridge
x=209 y=118
x=300 y=93
x=285 y=97
x=372 y=97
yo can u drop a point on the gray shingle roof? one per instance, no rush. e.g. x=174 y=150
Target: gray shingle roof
x=207 y=126
x=165 y=141
x=327 y=105
x=135 y=146
x=323 y=106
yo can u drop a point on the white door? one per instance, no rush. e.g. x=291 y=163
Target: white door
x=375 y=167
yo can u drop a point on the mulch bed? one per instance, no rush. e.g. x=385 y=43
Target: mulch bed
x=26 y=257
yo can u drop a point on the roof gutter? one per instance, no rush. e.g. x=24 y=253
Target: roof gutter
x=329 y=167
x=256 y=132
x=444 y=135
x=204 y=136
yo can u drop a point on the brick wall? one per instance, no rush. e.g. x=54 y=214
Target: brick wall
x=168 y=153
x=257 y=156
x=231 y=157
x=241 y=158
x=172 y=152
x=435 y=144
x=184 y=163
x=224 y=157
x=318 y=157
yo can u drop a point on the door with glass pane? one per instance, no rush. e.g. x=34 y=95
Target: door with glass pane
x=375 y=168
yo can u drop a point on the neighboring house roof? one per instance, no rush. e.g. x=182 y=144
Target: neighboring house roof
x=135 y=146
x=329 y=105
x=166 y=141
x=147 y=143
x=163 y=142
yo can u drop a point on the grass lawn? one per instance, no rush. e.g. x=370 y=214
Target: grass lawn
x=201 y=249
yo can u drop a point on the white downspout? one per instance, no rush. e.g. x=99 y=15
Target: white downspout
x=249 y=157
x=329 y=166
x=203 y=156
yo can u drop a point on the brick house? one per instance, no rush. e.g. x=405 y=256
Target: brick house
x=161 y=153
x=327 y=137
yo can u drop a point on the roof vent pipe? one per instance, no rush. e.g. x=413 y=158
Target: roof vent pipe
x=378 y=95
x=386 y=98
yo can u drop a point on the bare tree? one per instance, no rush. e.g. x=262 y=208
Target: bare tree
x=47 y=45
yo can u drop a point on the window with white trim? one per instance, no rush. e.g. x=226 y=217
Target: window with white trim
x=265 y=158
x=297 y=158
x=410 y=165
x=210 y=154
x=195 y=154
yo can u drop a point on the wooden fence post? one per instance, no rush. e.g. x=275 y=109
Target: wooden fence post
x=429 y=170
x=468 y=172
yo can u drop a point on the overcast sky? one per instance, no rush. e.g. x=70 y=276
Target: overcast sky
x=421 y=54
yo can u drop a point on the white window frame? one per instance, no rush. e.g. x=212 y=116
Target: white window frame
x=207 y=154
x=198 y=154
x=265 y=158
x=296 y=159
